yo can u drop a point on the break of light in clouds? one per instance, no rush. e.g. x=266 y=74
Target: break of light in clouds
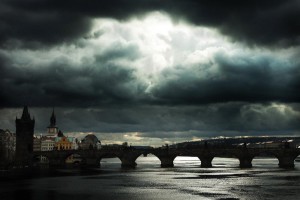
x=132 y=60
x=153 y=78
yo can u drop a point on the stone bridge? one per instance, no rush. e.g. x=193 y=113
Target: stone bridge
x=128 y=156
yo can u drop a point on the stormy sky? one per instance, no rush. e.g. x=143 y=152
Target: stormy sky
x=151 y=72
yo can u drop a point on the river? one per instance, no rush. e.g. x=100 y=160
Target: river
x=225 y=180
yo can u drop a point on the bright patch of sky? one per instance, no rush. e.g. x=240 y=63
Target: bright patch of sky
x=149 y=45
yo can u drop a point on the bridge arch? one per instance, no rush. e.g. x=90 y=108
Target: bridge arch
x=147 y=159
x=104 y=158
x=73 y=160
x=286 y=157
x=191 y=161
x=109 y=162
x=225 y=162
x=263 y=160
x=40 y=160
x=267 y=153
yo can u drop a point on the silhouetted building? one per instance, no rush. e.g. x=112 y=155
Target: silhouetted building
x=24 y=139
x=7 y=148
x=90 y=142
x=52 y=128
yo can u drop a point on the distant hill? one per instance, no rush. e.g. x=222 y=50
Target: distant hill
x=238 y=141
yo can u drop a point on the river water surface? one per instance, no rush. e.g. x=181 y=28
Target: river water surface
x=148 y=181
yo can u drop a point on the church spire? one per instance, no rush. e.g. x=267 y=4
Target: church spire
x=25 y=114
x=52 y=119
x=52 y=129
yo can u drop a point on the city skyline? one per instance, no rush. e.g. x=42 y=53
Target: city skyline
x=153 y=72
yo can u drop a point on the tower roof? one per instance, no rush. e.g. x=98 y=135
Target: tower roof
x=52 y=119
x=25 y=114
x=60 y=134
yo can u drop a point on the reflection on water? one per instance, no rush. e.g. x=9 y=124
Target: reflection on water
x=148 y=181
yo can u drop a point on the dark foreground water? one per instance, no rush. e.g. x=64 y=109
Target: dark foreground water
x=148 y=181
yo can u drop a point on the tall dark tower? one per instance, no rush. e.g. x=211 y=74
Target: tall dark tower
x=52 y=128
x=24 y=139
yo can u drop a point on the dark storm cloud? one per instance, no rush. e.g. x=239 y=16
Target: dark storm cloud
x=59 y=83
x=35 y=28
x=185 y=122
x=259 y=79
x=35 y=22
x=104 y=81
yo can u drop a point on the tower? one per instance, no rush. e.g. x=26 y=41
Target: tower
x=24 y=139
x=52 y=128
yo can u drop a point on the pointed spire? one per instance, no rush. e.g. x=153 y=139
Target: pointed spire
x=60 y=134
x=53 y=119
x=25 y=114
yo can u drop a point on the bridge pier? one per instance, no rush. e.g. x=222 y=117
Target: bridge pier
x=167 y=161
x=286 y=162
x=206 y=161
x=128 y=159
x=128 y=163
x=245 y=162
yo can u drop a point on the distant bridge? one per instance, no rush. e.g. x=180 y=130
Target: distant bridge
x=128 y=156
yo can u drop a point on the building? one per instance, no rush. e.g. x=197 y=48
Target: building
x=52 y=129
x=24 y=139
x=65 y=143
x=47 y=143
x=55 y=139
x=90 y=142
x=37 y=143
x=7 y=147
